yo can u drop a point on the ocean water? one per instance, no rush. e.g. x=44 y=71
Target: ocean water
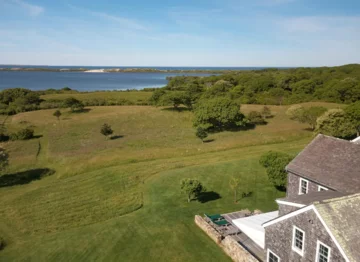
x=84 y=81
x=94 y=81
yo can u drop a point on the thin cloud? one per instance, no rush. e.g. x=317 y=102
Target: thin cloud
x=32 y=10
x=315 y=24
x=126 y=22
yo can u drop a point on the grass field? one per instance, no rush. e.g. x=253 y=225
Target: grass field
x=119 y=200
x=135 y=97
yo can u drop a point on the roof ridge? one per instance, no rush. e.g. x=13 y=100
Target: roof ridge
x=326 y=201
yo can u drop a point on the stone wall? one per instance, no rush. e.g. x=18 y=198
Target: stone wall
x=236 y=251
x=228 y=244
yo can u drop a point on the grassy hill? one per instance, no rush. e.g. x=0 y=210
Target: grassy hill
x=119 y=199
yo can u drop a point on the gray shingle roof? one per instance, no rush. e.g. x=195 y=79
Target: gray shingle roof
x=330 y=161
x=341 y=215
x=307 y=199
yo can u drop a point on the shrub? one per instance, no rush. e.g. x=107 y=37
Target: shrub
x=23 y=134
x=256 y=118
x=2 y=243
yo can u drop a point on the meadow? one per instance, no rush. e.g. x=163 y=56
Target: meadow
x=71 y=195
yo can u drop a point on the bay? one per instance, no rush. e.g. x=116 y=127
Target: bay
x=39 y=80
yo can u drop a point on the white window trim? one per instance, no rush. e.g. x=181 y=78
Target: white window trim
x=322 y=187
x=307 y=186
x=305 y=209
x=293 y=247
x=267 y=255
x=318 y=249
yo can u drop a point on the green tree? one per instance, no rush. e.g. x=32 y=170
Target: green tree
x=335 y=123
x=266 y=112
x=174 y=98
x=218 y=114
x=73 y=104
x=201 y=133
x=57 y=114
x=256 y=118
x=106 y=130
x=234 y=185
x=306 y=115
x=192 y=188
x=156 y=96
x=23 y=134
x=295 y=112
x=353 y=112
x=275 y=163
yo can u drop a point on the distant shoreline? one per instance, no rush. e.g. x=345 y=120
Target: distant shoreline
x=130 y=69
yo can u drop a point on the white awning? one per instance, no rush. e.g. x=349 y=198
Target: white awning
x=252 y=226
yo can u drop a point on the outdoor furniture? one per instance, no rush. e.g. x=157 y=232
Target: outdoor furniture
x=214 y=217
x=221 y=222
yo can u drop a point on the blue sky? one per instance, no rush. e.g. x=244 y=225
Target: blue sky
x=180 y=33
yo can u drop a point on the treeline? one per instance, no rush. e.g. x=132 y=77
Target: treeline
x=17 y=100
x=268 y=87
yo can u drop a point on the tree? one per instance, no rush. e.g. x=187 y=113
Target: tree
x=57 y=113
x=310 y=115
x=218 y=114
x=174 y=98
x=192 y=188
x=295 y=112
x=353 y=112
x=23 y=134
x=156 y=95
x=256 y=118
x=73 y=104
x=275 y=163
x=106 y=130
x=4 y=159
x=201 y=133
x=266 y=112
x=234 y=184
x=335 y=123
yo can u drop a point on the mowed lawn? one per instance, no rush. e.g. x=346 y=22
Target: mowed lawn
x=119 y=200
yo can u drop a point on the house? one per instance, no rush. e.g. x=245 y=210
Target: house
x=319 y=219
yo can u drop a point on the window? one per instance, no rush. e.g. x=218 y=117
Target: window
x=303 y=187
x=298 y=241
x=321 y=188
x=322 y=252
x=271 y=257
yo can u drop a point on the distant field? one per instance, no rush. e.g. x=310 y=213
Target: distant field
x=119 y=199
x=132 y=96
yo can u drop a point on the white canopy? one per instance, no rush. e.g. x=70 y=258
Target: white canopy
x=252 y=226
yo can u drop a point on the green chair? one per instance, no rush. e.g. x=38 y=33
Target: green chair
x=221 y=223
x=215 y=217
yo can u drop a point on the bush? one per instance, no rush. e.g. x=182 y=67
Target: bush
x=2 y=243
x=256 y=118
x=23 y=134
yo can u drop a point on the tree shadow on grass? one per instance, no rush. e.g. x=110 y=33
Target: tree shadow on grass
x=116 y=137
x=25 y=177
x=85 y=110
x=179 y=109
x=208 y=196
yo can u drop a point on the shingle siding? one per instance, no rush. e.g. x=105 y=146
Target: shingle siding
x=294 y=182
x=285 y=209
x=278 y=238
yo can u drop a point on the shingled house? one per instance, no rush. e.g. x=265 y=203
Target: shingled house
x=319 y=219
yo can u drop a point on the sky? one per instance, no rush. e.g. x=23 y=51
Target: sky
x=180 y=33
